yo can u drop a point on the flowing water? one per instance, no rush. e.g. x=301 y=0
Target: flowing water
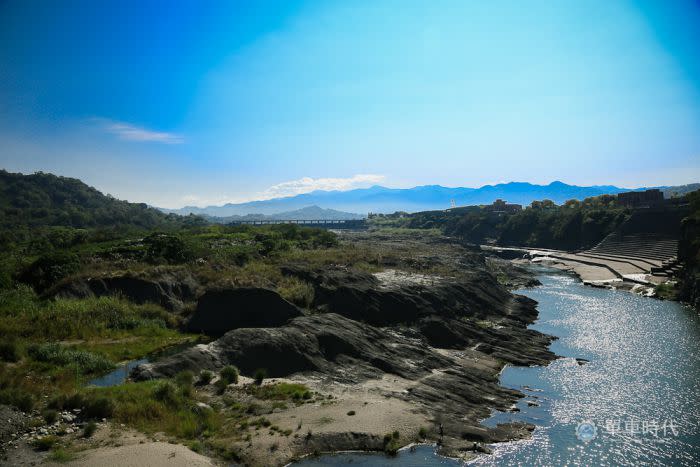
x=637 y=399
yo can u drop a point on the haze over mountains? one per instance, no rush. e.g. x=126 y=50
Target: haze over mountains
x=421 y=198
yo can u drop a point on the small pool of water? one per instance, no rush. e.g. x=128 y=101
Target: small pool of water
x=120 y=374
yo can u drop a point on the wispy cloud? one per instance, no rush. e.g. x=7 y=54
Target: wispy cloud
x=308 y=184
x=129 y=132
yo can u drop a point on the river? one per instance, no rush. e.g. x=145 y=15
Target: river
x=636 y=401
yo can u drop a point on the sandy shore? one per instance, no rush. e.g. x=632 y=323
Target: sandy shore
x=152 y=454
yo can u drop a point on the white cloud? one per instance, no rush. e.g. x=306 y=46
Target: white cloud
x=308 y=184
x=131 y=132
x=284 y=189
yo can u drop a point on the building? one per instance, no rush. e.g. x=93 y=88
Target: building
x=501 y=206
x=641 y=199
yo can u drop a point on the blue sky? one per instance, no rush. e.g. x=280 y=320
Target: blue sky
x=176 y=103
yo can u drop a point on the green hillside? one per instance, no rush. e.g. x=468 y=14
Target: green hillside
x=41 y=208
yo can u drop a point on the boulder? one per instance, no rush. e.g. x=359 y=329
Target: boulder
x=170 y=293
x=219 y=311
x=320 y=343
x=360 y=296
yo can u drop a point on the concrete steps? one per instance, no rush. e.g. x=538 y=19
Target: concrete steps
x=643 y=246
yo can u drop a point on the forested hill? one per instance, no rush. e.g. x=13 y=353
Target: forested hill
x=41 y=211
x=43 y=199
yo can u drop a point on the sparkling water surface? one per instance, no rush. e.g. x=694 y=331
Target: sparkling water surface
x=640 y=389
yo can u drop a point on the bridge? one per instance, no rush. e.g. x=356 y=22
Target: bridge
x=320 y=223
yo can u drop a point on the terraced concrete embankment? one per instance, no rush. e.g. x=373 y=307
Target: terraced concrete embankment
x=643 y=251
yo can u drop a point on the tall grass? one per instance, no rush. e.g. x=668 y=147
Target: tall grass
x=23 y=314
x=84 y=362
x=158 y=406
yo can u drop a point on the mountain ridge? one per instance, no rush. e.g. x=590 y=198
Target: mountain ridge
x=382 y=199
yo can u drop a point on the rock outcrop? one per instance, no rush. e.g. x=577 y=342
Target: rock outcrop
x=170 y=292
x=219 y=311
x=403 y=298
x=442 y=339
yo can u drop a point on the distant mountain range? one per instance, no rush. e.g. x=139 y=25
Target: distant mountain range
x=307 y=213
x=421 y=198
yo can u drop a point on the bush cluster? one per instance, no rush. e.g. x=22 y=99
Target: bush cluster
x=84 y=362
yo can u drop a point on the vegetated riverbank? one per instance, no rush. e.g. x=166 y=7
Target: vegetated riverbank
x=576 y=226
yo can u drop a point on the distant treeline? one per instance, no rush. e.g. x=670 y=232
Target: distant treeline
x=573 y=225
x=689 y=252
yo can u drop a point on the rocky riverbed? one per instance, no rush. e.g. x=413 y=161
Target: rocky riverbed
x=401 y=339
x=416 y=343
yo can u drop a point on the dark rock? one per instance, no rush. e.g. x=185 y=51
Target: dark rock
x=368 y=328
x=360 y=296
x=169 y=292
x=321 y=343
x=219 y=311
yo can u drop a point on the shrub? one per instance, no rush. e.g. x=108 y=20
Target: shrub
x=166 y=392
x=196 y=446
x=50 y=416
x=45 y=443
x=184 y=378
x=422 y=433
x=351 y=413
x=205 y=377
x=67 y=402
x=84 y=362
x=93 y=405
x=17 y=398
x=49 y=269
x=221 y=386
x=280 y=391
x=391 y=443
x=229 y=374
x=296 y=291
x=9 y=351
x=89 y=429
x=98 y=407
x=61 y=455
x=168 y=248
x=260 y=375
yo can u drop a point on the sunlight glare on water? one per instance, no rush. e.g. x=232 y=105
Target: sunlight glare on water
x=644 y=372
x=644 y=369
